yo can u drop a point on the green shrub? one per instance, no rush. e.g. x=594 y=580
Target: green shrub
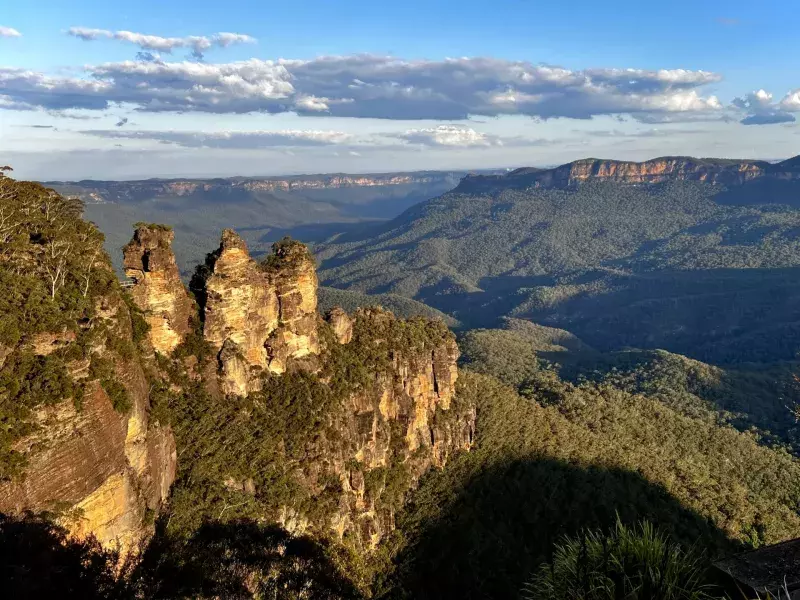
x=636 y=563
x=120 y=398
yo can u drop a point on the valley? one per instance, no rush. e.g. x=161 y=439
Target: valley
x=643 y=258
x=625 y=352
x=262 y=209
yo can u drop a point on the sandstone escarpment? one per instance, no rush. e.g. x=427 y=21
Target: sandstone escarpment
x=158 y=290
x=258 y=318
x=101 y=469
x=657 y=170
x=392 y=430
x=137 y=191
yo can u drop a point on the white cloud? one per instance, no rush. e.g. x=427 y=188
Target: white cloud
x=9 y=32
x=791 y=101
x=362 y=86
x=762 y=111
x=226 y=39
x=87 y=34
x=196 y=43
x=449 y=135
x=231 y=139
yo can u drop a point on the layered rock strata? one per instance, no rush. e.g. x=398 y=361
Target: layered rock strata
x=259 y=317
x=657 y=170
x=157 y=288
x=103 y=472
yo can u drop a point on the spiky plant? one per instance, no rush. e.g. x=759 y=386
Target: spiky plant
x=637 y=563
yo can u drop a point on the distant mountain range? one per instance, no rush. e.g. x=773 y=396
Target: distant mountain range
x=698 y=256
x=262 y=209
x=657 y=170
x=92 y=191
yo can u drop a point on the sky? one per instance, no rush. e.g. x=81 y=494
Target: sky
x=101 y=90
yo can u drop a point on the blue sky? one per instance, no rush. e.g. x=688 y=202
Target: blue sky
x=315 y=86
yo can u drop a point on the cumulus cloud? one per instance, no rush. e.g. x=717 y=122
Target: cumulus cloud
x=9 y=32
x=366 y=86
x=761 y=110
x=198 y=44
x=791 y=102
x=449 y=135
x=231 y=139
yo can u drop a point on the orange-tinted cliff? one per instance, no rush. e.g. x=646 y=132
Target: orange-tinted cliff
x=261 y=321
x=158 y=289
x=657 y=170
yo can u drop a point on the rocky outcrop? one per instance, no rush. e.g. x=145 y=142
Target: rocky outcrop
x=157 y=288
x=104 y=472
x=259 y=318
x=393 y=431
x=341 y=324
x=658 y=170
x=292 y=269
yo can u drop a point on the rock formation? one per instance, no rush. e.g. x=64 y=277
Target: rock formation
x=261 y=320
x=657 y=170
x=259 y=317
x=102 y=471
x=341 y=324
x=393 y=430
x=157 y=289
x=350 y=412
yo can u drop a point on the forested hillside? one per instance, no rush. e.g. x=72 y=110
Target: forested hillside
x=345 y=455
x=703 y=269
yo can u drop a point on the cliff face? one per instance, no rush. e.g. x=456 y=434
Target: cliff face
x=158 y=290
x=352 y=411
x=658 y=170
x=391 y=411
x=392 y=430
x=102 y=470
x=259 y=318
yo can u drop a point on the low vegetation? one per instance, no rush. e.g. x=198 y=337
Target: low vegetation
x=635 y=563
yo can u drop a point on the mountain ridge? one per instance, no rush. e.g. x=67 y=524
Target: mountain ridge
x=656 y=170
x=95 y=190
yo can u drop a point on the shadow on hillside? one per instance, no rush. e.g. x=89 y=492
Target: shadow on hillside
x=761 y=191
x=484 y=539
x=721 y=316
x=38 y=560
x=498 y=297
x=230 y=560
x=241 y=559
x=313 y=233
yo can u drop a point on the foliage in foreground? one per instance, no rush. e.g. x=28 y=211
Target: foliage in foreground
x=634 y=563
x=241 y=559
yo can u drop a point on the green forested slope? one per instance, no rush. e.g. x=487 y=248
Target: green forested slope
x=661 y=265
x=401 y=306
x=570 y=457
